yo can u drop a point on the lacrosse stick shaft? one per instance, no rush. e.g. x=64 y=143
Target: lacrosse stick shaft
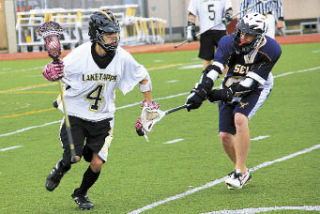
x=68 y=126
x=176 y=109
x=199 y=34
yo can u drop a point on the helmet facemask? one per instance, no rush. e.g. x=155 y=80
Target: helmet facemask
x=253 y=25
x=104 y=30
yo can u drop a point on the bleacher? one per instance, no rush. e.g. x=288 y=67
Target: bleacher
x=134 y=30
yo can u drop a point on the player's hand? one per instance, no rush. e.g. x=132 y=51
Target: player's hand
x=53 y=70
x=191 y=32
x=220 y=95
x=139 y=127
x=196 y=97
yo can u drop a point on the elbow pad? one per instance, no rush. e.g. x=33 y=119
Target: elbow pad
x=148 y=86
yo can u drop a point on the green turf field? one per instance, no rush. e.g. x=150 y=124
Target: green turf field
x=138 y=173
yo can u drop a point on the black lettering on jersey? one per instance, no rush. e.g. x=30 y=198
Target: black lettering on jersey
x=98 y=77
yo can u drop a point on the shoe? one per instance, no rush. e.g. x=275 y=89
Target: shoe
x=82 y=200
x=236 y=180
x=55 y=176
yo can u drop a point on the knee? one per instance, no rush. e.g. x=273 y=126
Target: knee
x=226 y=138
x=240 y=120
x=96 y=163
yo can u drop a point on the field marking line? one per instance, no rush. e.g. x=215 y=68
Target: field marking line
x=10 y=148
x=174 y=141
x=316 y=51
x=265 y=209
x=220 y=180
x=27 y=87
x=259 y=138
x=173 y=81
x=10 y=70
x=138 y=103
x=32 y=92
x=29 y=128
x=164 y=66
x=28 y=113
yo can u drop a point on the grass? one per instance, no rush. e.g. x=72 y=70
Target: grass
x=139 y=173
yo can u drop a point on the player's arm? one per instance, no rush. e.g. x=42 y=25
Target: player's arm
x=145 y=88
x=238 y=89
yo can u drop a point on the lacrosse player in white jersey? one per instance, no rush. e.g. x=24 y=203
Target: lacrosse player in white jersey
x=213 y=16
x=90 y=74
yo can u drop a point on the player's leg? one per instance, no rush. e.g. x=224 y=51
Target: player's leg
x=227 y=130
x=90 y=176
x=95 y=152
x=64 y=165
x=206 y=51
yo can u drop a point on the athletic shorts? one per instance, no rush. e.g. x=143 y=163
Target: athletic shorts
x=86 y=134
x=248 y=106
x=208 y=41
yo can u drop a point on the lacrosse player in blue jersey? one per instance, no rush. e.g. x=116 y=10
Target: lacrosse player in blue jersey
x=249 y=56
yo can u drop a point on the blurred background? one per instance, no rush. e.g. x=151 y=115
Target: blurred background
x=142 y=21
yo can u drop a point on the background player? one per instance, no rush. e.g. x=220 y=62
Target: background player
x=271 y=9
x=91 y=73
x=250 y=56
x=212 y=15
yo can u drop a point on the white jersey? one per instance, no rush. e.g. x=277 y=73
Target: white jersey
x=210 y=13
x=91 y=95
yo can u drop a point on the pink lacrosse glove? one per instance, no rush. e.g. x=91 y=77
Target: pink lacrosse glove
x=53 y=70
x=139 y=127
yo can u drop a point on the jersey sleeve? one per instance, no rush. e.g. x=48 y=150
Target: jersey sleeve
x=132 y=73
x=224 y=50
x=260 y=72
x=193 y=7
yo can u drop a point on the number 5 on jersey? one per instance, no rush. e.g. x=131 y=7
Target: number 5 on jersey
x=95 y=97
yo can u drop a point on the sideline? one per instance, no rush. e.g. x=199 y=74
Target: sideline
x=265 y=209
x=220 y=180
x=161 y=98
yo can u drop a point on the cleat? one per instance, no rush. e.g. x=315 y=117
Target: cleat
x=82 y=200
x=236 y=180
x=54 y=177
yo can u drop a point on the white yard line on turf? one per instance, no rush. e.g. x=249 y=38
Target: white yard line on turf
x=259 y=138
x=220 y=180
x=174 y=141
x=10 y=148
x=137 y=103
x=265 y=209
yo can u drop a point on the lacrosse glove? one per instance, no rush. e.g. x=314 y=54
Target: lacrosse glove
x=53 y=70
x=191 y=32
x=224 y=95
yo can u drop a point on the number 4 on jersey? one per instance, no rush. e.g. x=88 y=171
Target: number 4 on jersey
x=95 y=96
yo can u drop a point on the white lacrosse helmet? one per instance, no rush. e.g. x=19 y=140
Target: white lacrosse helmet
x=253 y=24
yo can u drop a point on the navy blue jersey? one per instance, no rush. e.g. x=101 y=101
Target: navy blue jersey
x=257 y=64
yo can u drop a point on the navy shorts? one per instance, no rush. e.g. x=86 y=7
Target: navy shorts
x=208 y=41
x=247 y=106
x=93 y=133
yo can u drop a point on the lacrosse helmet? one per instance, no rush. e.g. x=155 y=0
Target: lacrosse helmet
x=104 y=22
x=253 y=24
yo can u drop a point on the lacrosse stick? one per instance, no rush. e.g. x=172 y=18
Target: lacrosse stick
x=199 y=34
x=149 y=117
x=51 y=32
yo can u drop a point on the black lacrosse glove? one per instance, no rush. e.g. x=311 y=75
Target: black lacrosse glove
x=224 y=95
x=191 y=32
x=196 y=97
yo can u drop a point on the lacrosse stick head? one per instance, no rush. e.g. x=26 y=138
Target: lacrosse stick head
x=149 y=117
x=51 y=33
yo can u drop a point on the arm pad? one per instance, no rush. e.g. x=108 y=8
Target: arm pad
x=148 y=86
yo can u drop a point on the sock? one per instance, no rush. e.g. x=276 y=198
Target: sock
x=89 y=178
x=64 y=167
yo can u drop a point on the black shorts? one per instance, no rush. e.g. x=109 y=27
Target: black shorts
x=94 y=133
x=208 y=41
